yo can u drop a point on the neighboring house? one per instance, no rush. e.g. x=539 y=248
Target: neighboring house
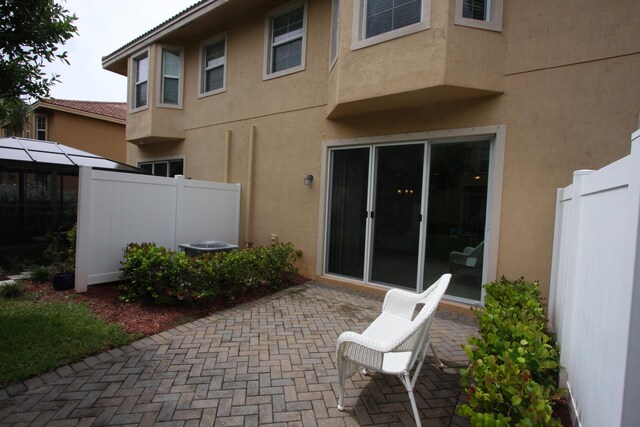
x=423 y=129
x=96 y=127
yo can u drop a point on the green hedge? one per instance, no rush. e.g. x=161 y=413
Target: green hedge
x=514 y=365
x=155 y=273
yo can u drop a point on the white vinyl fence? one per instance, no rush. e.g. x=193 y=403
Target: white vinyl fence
x=115 y=209
x=594 y=301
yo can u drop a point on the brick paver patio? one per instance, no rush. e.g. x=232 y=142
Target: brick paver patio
x=269 y=362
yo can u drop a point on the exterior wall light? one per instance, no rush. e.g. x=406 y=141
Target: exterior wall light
x=308 y=179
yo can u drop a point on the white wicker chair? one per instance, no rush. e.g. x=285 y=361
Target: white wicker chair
x=395 y=341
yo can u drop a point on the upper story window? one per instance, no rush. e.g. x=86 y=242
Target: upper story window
x=334 y=48
x=376 y=21
x=213 y=68
x=484 y=14
x=41 y=127
x=139 y=92
x=171 y=76
x=168 y=168
x=383 y=16
x=286 y=38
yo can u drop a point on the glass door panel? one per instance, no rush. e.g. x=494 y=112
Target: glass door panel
x=457 y=204
x=396 y=233
x=347 y=213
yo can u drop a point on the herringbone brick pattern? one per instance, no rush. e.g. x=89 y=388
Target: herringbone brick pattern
x=269 y=362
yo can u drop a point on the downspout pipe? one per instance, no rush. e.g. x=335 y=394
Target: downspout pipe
x=249 y=188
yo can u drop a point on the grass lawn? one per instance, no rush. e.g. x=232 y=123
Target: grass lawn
x=37 y=337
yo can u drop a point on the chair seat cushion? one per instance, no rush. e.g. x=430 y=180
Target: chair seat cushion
x=386 y=327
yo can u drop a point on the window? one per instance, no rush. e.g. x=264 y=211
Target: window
x=41 y=127
x=286 y=40
x=140 y=81
x=171 y=72
x=475 y=9
x=334 y=48
x=213 y=68
x=383 y=16
x=484 y=14
x=169 y=168
x=376 y=21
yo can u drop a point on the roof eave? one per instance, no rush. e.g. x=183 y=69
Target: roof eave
x=41 y=104
x=113 y=61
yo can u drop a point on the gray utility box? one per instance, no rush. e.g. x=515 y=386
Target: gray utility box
x=199 y=248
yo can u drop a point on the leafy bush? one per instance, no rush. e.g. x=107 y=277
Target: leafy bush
x=39 y=273
x=11 y=290
x=155 y=273
x=514 y=364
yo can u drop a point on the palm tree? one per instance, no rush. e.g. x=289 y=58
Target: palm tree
x=14 y=115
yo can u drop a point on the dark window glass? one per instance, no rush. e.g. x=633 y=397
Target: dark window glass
x=475 y=9
x=214 y=66
x=170 y=91
x=176 y=167
x=387 y=15
x=286 y=40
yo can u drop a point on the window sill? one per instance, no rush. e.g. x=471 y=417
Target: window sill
x=212 y=92
x=283 y=72
x=476 y=23
x=138 y=109
x=170 y=106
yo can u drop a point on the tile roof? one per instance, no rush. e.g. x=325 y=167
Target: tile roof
x=115 y=110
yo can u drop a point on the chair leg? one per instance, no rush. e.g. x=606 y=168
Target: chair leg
x=341 y=397
x=438 y=361
x=341 y=381
x=409 y=386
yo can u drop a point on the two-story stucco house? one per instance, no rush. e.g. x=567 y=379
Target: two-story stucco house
x=92 y=126
x=391 y=141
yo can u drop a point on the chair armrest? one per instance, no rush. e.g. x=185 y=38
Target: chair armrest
x=363 y=350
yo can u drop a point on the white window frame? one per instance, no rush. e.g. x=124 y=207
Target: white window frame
x=38 y=129
x=497 y=133
x=161 y=76
x=132 y=73
x=334 y=42
x=494 y=23
x=219 y=62
x=268 y=46
x=358 y=40
x=166 y=160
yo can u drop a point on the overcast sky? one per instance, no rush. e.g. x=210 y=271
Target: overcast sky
x=104 y=26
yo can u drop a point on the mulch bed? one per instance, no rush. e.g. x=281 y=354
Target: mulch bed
x=140 y=317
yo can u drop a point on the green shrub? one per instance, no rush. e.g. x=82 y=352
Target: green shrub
x=39 y=273
x=514 y=364
x=154 y=273
x=11 y=290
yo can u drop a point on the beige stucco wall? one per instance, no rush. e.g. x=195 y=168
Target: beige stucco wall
x=564 y=83
x=96 y=136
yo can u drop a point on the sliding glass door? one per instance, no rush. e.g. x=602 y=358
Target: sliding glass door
x=396 y=214
x=456 y=218
x=348 y=211
x=403 y=214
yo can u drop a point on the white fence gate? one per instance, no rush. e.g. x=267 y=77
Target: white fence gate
x=115 y=209
x=594 y=302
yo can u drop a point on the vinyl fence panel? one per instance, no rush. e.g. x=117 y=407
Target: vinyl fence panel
x=115 y=209
x=594 y=297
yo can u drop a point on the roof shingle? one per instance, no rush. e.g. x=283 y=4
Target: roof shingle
x=116 y=110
